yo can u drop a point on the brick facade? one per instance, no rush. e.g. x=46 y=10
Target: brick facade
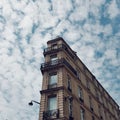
x=96 y=103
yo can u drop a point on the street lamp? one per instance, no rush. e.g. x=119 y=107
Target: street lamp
x=31 y=103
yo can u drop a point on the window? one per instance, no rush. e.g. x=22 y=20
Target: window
x=52 y=111
x=107 y=103
x=52 y=103
x=105 y=115
x=70 y=108
x=110 y=117
x=97 y=94
x=101 y=97
x=54 y=46
x=78 y=75
x=93 y=118
x=53 y=59
x=82 y=114
x=88 y=84
x=99 y=110
x=53 y=80
x=80 y=94
x=90 y=102
x=69 y=84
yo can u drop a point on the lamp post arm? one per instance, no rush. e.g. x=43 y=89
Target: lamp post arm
x=35 y=102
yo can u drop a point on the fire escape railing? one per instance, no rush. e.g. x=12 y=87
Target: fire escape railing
x=53 y=48
x=50 y=114
x=57 y=62
x=59 y=47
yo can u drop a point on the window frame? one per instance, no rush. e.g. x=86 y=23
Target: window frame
x=93 y=118
x=87 y=84
x=91 y=103
x=69 y=87
x=54 y=84
x=78 y=74
x=49 y=104
x=54 y=46
x=82 y=114
x=80 y=94
x=53 y=59
x=70 y=108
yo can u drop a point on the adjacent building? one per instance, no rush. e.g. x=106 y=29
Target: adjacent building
x=69 y=90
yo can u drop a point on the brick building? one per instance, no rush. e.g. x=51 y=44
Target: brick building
x=69 y=90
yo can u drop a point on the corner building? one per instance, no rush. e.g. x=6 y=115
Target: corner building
x=69 y=90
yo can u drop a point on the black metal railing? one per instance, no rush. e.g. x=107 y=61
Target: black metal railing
x=57 y=62
x=58 y=47
x=50 y=114
x=51 y=63
x=50 y=49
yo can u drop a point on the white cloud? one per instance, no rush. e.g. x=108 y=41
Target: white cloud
x=97 y=3
x=113 y=10
x=110 y=54
x=79 y=14
x=1 y=27
x=6 y=9
x=107 y=30
x=61 y=8
x=18 y=4
x=72 y=35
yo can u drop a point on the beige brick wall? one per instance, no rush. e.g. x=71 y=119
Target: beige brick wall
x=60 y=102
x=60 y=77
x=45 y=81
x=42 y=106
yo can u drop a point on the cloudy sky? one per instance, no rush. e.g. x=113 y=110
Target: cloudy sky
x=90 y=27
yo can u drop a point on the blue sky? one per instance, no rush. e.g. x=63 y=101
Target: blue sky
x=90 y=27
